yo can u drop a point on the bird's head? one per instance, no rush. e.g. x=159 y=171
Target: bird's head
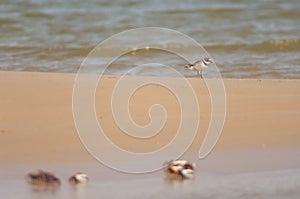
x=207 y=60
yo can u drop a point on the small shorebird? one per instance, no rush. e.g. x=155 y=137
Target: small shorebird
x=179 y=170
x=79 y=178
x=40 y=177
x=200 y=65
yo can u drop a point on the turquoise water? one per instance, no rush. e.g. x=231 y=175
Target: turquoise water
x=247 y=39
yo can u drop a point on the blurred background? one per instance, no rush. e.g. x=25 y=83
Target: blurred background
x=246 y=39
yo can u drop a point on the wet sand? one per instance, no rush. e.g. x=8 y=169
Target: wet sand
x=261 y=133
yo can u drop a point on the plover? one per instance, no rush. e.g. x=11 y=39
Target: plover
x=200 y=65
x=40 y=177
x=179 y=170
x=79 y=178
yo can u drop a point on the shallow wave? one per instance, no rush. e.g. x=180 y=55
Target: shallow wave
x=269 y=46
x=267 y=59
x=219 y=10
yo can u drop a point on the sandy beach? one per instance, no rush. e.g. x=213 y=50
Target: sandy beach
x=242 y=131
x=260 y=135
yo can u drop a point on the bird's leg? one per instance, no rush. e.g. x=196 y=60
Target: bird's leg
x=199 y=74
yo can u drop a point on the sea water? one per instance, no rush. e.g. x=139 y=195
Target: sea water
x=246 y=39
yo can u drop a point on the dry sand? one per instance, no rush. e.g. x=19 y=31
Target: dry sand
x=261 y=132
x=36 y=116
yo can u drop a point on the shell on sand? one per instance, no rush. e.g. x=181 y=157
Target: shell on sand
x=179 y=170
x=41 y=177
x=79 y=178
